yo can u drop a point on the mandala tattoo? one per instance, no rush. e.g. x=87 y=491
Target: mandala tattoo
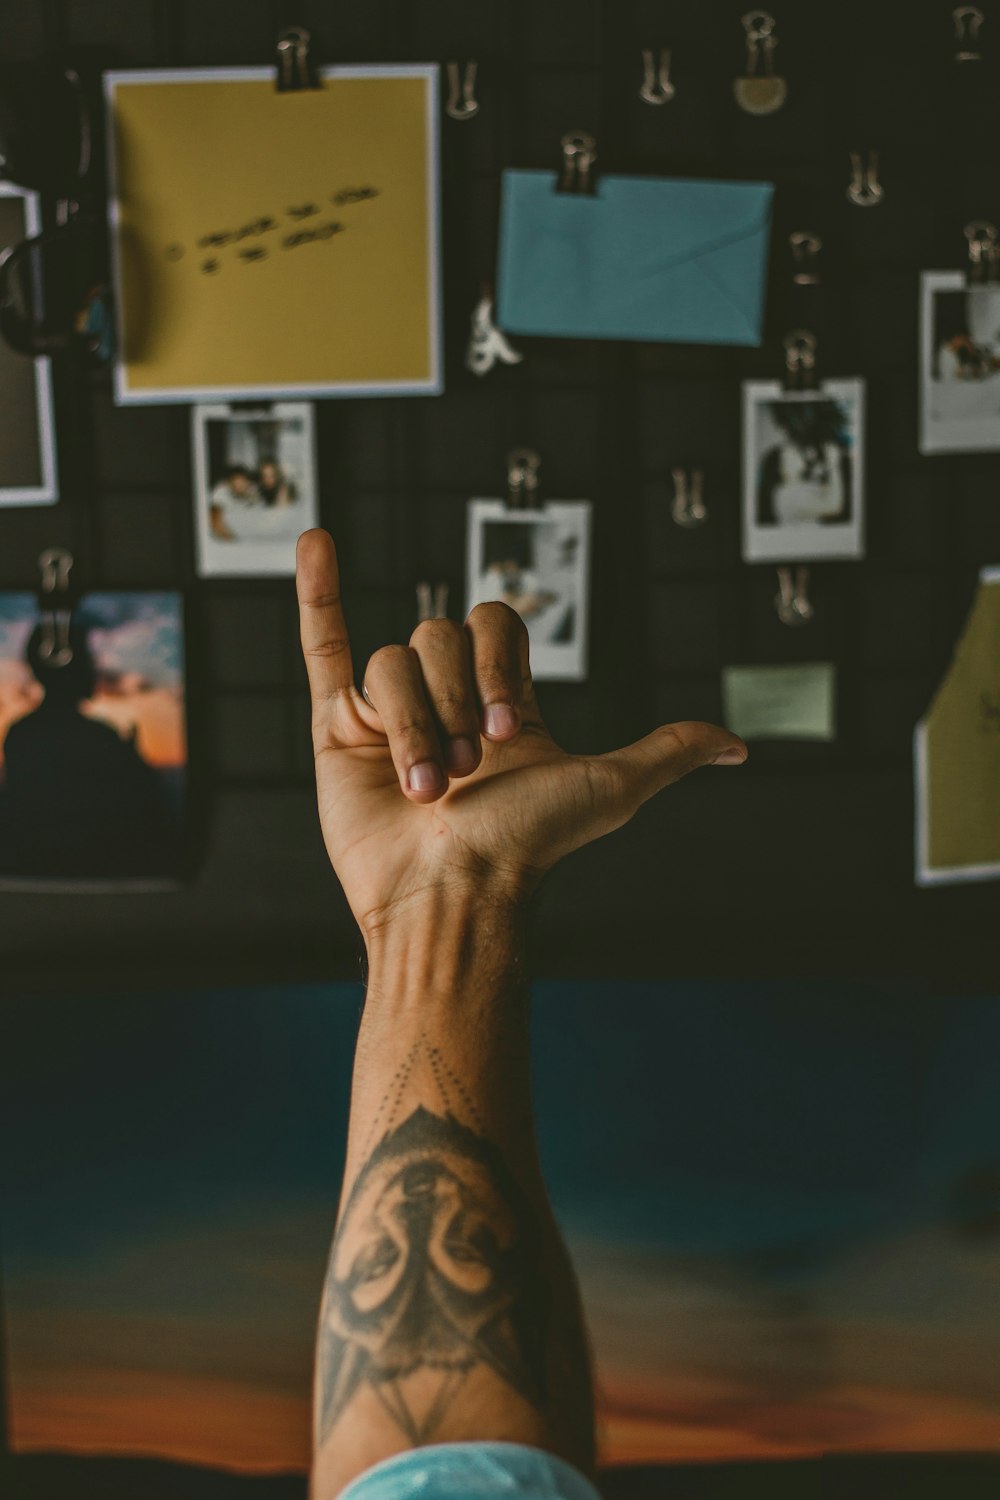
x=434 y=1272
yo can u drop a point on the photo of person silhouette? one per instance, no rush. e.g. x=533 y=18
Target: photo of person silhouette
x=92 y=753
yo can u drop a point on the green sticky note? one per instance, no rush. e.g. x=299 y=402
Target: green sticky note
x=793 y=702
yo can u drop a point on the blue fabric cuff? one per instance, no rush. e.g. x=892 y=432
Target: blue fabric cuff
x=471 y=1471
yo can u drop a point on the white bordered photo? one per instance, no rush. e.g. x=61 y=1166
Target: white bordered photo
x=538 y=562
x=959 y=364
x=255 y=487
x=27 y=427
x=803 y=471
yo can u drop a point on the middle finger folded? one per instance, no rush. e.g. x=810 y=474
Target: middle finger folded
x=442 y=648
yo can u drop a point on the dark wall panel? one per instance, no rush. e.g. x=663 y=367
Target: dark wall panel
x=802 y=860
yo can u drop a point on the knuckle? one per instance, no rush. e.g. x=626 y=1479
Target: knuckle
x=332 y=646
x=411 y=731
x=682 y=739
x=454 y=706
x=387 y=659
x=436 y=632
x=499 y=671
x=495 y=615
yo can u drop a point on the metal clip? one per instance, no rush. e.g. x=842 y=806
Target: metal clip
x=432 y=601
x=462 y=102
x=293 y=60
x=800 y=360
x=688 y=508
x=54 y=647
x=967 y=19
x=487 y=343
x=579 y=155
x=522 y=479
x=805 y=248
x=656 y=87
x=760 y=91
x=792 y=601
x=984 y=250
x=864 y=188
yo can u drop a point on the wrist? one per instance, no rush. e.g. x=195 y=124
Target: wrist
x=443 y=944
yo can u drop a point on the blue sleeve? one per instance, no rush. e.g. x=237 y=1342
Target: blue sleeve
x=471 y=1471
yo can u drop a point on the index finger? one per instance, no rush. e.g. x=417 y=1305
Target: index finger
x=326 y=645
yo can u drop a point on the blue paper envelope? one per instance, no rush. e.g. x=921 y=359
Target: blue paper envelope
x=654 y=258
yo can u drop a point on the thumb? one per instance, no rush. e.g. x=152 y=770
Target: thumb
x=669 y=753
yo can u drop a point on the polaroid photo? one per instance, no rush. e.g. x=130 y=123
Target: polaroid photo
x=538 y=562
x=803 y=471
x=93 y=750
x=27 y=428
x=959 y=364
x=255 y=487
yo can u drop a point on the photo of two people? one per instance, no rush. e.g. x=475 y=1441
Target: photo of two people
x=255 y=486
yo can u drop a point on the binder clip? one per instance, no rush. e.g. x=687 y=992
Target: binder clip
x=656 y=86
x=760 y=91
x=576 y=174
x=967 y=19
x=864 y=189
x=800 y=360
x=295 y=71
x=432 y=602
x=805 y=249
x=522 y=479
x=688 y=508
x=56 y=607
x=462 y=102
x=984 y=251
x=791 y=602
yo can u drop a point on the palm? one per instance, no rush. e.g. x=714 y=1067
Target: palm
x=528 y=803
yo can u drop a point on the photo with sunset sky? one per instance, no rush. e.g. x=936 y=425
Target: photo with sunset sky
x=93 y=752
x=783 y=1202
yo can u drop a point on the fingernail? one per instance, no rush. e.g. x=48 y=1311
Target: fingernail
x=499 y=718
x=732 y=757
x=461 y=754
x=426 y=777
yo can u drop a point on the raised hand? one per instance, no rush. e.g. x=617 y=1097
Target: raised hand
x=443 y=775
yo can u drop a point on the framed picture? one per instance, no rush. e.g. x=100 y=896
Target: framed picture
x=93 y=750
x=959 y=364
x=538 y=562
x=275 y=245
x=255 y=486
x=27 y=428
x=803 y=471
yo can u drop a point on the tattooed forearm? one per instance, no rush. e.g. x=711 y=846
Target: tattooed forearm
x=435 y=1277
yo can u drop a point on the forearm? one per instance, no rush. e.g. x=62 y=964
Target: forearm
x=447 y=999
x=450 y=1310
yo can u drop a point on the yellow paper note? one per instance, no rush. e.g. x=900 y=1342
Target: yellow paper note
x=271 y=244
x=957 y=755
